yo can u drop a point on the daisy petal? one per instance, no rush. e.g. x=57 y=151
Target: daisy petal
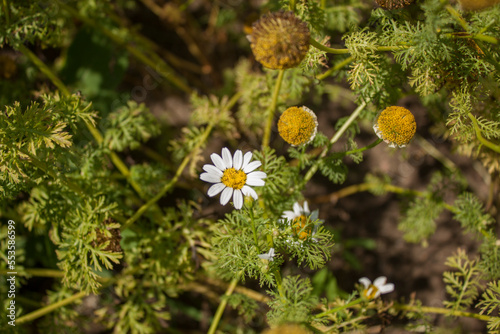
x=255 y=180
x=226 y=156
x=306 y=207
x=297 y=209
x=246 y=159
x=237 y=160
x=380 y=281
x=252 y=166
x=247 y=191
x=218 y=162
x=209 y=177
x=212 y=170
x=389 y=287
x=215 y=189
x=237 y=199
x=365 y=281
x=226 y=195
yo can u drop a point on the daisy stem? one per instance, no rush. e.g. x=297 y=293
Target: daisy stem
x=254 y=230
x=119 y=164
x=340 y=308
x=381 y=48
x=223 y=303
x=292 y=5
x=375 y=143
x=49 y=308
x=440 y=310
x=173 y=181
x=334 y=139
x=270 y=111
x=335 y=68
x=480 y=137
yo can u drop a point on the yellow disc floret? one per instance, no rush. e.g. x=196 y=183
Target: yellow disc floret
x=234 y=178
x=370 y=292
x=279 y=40
x=396 y=126
x=298 y=126
x=299 y=225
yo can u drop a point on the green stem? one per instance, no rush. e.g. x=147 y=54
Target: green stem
x=362 y=149
x=223 y=303
x=157 y=63
x=334 y=139
x=92 y=129
x=340 y=308
x=321 y=47
x=439 y=310
x=335 y=68
x=171 y=183
x=49 y=308
x=254 y=230
x=271 y=110
x=292 y=5
x=456 y=15
x=7 y=12
x=44 y=69
x=480 y=137
x=279 y=282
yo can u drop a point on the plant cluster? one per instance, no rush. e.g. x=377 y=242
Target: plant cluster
x=113 y=201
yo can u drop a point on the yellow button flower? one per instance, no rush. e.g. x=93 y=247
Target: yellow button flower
x=279 y=40
x=396 y=126
x=298 y=125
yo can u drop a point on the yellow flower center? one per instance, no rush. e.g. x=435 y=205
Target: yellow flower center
x=280 y=40
x=397 y=125
x=233 y=178
x=297 y=126
x=370 y=292
x=298 y=226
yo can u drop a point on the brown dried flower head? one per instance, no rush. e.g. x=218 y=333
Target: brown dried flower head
x=393 y=4
x=279 y=40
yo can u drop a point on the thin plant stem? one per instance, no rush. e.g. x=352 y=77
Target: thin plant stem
x=157 y=64
x=293 y=5
x=171 y=183
x=335 y=68
x=223 y=303
x=272 y=108
x=440 y=310
x=120 y=165
x=382 y=48
x=6 y=12
x=43 y=68
x=49 y=308
x=254 y=230
x=334 y=139
x=480 y=137
x=362 y=149
x=340 y=308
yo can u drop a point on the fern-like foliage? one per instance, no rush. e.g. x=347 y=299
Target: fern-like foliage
x=294 y=303
x=490 y=303
x=470 y=213
x=420 y=220
x=129 y=126
x=463 y=283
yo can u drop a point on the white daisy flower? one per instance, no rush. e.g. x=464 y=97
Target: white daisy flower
x=378 y=287
x=299 y=218
x=233 y=176
x=267 y=256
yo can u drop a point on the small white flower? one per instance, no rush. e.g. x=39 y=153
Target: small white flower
x=299 y=218
x=378 y=287
x=267 y=256
x=233 y=176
